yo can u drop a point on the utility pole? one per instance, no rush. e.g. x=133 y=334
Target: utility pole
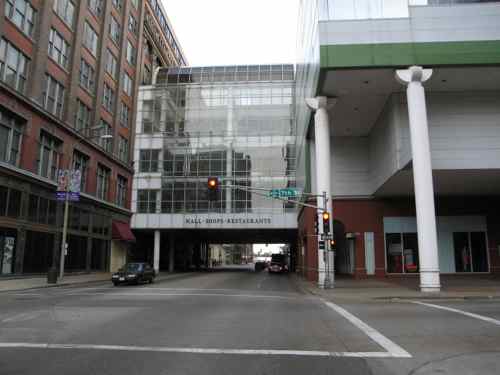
x=64 y=233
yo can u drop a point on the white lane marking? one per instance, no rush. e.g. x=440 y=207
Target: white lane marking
x=183 y=295
x=471 y=315
x=164 y=349
x=22 y=317
x=391 y=347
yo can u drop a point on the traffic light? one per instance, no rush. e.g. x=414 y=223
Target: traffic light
x=326 y=222
x=332 y=244
x=316 y=224
x=213 y=188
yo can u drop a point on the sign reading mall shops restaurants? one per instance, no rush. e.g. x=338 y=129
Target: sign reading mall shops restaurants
x=226 y=220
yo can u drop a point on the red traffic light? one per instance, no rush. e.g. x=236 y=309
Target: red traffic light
x=326 y=222
x=212 y=183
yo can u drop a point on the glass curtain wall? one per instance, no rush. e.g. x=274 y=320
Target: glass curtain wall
x=235 y=123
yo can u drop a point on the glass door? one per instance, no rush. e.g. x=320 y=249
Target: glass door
x=462 y=252
x=470 y=251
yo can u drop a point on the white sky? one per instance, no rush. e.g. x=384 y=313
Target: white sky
x=235 y=32
x=267 y=248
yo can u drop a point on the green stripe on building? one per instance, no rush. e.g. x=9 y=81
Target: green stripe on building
x=404 y=54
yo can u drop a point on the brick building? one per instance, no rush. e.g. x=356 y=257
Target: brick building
x=69 y=73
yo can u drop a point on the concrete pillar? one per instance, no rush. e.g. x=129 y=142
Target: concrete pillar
x=171 y=253
x=156 y=255
x=321 y=105
x=422 y=176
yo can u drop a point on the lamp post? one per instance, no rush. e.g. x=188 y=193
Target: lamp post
x=64 y=245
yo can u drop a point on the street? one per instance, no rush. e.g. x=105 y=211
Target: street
x=240 y=322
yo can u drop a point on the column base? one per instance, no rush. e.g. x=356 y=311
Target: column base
x=429 y=281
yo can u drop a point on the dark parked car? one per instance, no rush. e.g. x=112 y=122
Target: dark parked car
x=134 y=273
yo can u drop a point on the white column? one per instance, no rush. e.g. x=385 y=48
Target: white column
x=422 y=176
x=156 y=256
x=320 y=105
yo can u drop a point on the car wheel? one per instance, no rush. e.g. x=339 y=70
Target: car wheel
x=151 y=280
x=115 y=283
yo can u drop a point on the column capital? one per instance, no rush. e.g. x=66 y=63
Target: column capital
x=413 y=74
x=320 y=102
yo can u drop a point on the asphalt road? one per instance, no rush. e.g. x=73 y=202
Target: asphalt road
x=239 y=323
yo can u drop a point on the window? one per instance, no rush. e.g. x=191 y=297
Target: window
x=114 y=30
x=118 y=4
x=146 y=201
x=10 y=138
x=82 y=119
x=123 y=149
x=13 y=66
x=103 y=174
x=470 y=252
x=127 y=84
x=81 y=162
x=95 y=7
x=105 y=142
x=87 y=75
x=65 y=9
x=108 y=98
x=146 y=75
x=121 y=191
x=58 y=48
x=148 y=124
x=41 y=210
x=49 y=150
x=133 y=26
x=53 y=96
x=402 y=252
x=111 y=64
x=90 y=38
x=14 y=203
x=130 y=53
x=148 y=160
x=22 y=14
x=124 y=115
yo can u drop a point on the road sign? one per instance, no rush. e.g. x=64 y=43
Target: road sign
x=284 y=193
x=322 y=245
x=68 y=182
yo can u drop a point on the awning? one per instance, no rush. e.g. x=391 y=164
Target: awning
x=121 y=231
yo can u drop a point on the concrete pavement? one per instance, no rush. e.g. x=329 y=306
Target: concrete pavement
x=239 y=322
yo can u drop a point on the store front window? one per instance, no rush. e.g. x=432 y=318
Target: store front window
x=470 y=252
x=402 y=252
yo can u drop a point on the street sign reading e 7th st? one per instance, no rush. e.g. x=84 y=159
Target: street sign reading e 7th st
x=284 y=193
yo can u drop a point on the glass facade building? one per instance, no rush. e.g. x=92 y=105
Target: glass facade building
x=235 y=123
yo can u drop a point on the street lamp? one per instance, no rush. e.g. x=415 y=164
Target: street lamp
x=64 y=245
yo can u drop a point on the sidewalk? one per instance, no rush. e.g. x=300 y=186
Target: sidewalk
x=453 y=287
x=22 y=283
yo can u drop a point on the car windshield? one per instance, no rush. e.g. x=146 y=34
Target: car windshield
x=133 y=267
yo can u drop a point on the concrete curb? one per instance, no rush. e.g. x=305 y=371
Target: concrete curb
x=307 y=287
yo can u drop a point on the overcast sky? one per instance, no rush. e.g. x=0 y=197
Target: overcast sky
x=235 y=32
